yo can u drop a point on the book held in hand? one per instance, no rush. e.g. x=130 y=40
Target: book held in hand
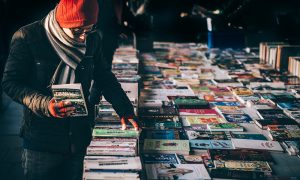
x=72 y=93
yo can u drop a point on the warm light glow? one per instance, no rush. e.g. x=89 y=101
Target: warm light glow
x=217 y=11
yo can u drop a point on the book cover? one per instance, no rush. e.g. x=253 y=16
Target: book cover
x=237 y=118
x=115 y=133
x=89 y=175
x=177 y=171
x=201 y=135
x=72 y=93
x=258 y=166
x=190 y=159
x=202 y=119
x=211 y=144
x=162 y=134
x=248 y=136
x=240 y=155
x=271 y=114
x=155 y=145
x=264 y=123
x=194 y=112
x=225 y=127
x=160 y=158
x=106 y=163
x=256 y=144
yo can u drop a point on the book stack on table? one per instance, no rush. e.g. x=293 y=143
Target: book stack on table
x=114 y=153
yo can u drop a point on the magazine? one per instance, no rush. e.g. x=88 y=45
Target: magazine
x=72 y=93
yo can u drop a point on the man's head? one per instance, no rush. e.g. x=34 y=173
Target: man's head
x=77 y=17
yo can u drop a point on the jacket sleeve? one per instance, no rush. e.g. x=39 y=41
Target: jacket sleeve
x=16 y=77
x=106 y=82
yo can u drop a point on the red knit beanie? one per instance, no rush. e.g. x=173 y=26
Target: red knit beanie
x=76 y=13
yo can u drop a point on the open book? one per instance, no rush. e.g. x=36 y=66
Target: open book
x=72 y=93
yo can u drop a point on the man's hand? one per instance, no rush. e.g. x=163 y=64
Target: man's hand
x=60 y=109
x=124 y=120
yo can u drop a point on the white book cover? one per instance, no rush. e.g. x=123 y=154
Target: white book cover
x=112 y=163
x=177 y=171
x=256 y=144
x=72 y=93
x=114 y=143
x=110 y=175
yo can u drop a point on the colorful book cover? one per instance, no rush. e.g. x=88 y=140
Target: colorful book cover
x=259 y=166
x=227 y=104
x=190 y=159
x=225 y=127
x=115 y=133
x=237 y=118
x=194 y=112
x=162 y=134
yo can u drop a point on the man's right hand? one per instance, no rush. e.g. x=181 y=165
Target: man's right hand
x=60 y=109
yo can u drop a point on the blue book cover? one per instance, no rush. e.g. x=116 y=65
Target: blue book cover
x=249 y=136
x=160 y=158
x=237 y=118
x=163 y=134
x=288 y=105
x=227 y=103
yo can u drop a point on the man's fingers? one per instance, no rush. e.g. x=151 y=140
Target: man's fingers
x=123 y=123
x=134 y=123
x=67 y=109
x=63 y=104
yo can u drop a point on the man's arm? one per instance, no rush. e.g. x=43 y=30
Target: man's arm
x=15 y=77
x=106 y=82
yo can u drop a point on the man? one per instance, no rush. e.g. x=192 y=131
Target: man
x=63 y=48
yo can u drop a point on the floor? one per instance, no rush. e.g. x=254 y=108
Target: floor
x=10 y=143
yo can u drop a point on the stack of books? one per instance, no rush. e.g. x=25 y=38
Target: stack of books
x=113 y=153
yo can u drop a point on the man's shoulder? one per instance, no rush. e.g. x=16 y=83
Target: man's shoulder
x=30 y=31
x=32 y=26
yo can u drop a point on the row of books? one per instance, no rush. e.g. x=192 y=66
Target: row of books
x=211 y=113
x=114 y=153
x=277 y=54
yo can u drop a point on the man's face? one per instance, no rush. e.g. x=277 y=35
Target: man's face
x=80 y=33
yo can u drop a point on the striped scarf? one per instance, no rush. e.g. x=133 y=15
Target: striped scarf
x=71 y=52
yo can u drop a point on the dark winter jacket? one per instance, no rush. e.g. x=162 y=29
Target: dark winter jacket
x=28 y=71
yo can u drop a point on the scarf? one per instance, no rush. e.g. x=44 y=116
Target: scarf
x=70 y=52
